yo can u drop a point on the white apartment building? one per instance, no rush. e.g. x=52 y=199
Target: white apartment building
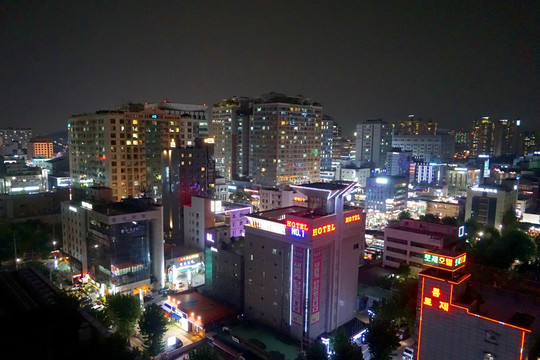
x=405 y=242
x=428 y=147
x=204 y=213
x=280 y=198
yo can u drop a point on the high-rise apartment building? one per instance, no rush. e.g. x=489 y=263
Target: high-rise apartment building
x=415 y=126
x=373 y=142
x=507 y=138
x=40 y=147
x=230 y=129
x=482 y=136
x=530 y=144
x=327 y=142
x=337 y=140
x=301 y=264
x=285 y=140
x=14 y=140
x=121 y=149
x=198 y=113
x=186 y=172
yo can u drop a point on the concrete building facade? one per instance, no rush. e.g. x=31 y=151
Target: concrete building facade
x=373 y=142
x=301 y=271
x=285 y=140
x=488 y=204
x=405 y=242
x=118 y=245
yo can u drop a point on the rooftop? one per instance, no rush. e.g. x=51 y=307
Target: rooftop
x=210 y=311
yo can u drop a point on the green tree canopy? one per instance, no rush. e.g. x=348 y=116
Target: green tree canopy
x=382 y=339
x=123 y=311
x=204 y=352
x=153 y=324
x=405 y=214
x=317 y=351
x=343 y=348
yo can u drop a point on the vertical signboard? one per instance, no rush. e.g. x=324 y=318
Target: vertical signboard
x=316 y=286
x=297 y=285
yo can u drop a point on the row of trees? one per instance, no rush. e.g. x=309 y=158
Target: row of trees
x=31 y=239
x=501 y=249
x=123 y=313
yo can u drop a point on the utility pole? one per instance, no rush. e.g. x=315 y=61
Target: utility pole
x=15 y=250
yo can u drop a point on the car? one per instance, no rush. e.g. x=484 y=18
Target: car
x=98 y=307
x=408 y=353
x=86 y=300
x=403 y=333
x=179 y=343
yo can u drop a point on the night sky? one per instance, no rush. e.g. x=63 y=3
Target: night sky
x=451 y=61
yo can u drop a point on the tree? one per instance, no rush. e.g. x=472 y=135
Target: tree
x=203 y=352
x=153 y=324
x=317 y=351
x=381 y=338
x=124 y=311
x=405 y=214
x=343 y=348
x=449 y=220
x=509 y=221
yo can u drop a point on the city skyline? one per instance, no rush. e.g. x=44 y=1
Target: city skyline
x=361 y=61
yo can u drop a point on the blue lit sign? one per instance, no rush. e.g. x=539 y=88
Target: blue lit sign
x=297 y=232
x=154 y=116
x=461 y=231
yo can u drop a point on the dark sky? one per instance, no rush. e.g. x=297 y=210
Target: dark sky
x=451 y=61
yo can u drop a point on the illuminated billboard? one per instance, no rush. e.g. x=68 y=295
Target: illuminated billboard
x=445 y=261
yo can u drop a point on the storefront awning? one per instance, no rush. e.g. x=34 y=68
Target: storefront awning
x=166 y=307
x=175 y=316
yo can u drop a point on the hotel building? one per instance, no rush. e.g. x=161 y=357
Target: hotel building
x=460 y=319
x=301 y=264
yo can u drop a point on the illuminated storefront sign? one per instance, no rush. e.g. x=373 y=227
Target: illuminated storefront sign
x=267 y=225
x=299 y=199
x=448 y=262
x=353 y=218
x=324 y=229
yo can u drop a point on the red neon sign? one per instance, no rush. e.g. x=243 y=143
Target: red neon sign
x=297 y=225
x=353 y=218
x=436 y=293
x=324 y=229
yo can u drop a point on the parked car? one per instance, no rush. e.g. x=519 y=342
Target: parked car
x=408 y=353
x=403 y=333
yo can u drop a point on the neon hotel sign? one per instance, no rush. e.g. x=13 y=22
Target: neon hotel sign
x=300 y=229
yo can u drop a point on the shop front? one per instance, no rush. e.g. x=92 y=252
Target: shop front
x=185 y=272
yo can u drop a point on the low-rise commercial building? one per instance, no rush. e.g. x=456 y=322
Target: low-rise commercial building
x=118 y=245
x=488 y=204
x=405 y=242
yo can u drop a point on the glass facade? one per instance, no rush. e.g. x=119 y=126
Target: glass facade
x=119 y=254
